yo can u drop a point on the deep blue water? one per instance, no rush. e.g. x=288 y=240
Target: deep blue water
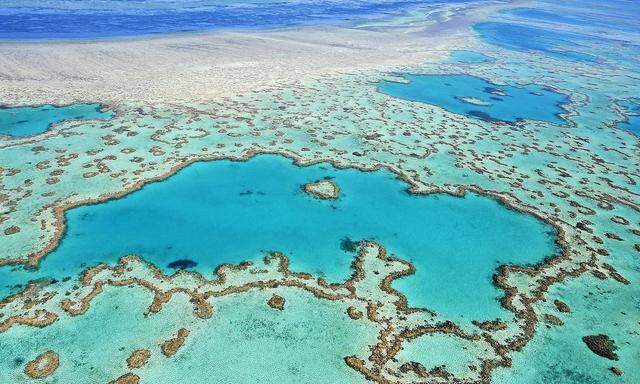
x=632 y=110
x=29 y=121
x=594 y=15
x=478 y=98
x=555 y=43
x=584 y=31
x=84 y=19
x=227 y=212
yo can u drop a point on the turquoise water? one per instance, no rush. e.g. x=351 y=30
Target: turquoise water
x=248 y=342
x=597 y=307
x=245 y=341
x=478 y=98
x=228 y=212
x=29 y=121
x=434 y=350
x=463 y=56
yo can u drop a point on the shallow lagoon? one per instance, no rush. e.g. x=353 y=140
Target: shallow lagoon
x=245 y=341
x=478 y=98
x=30 y=121
x=228 y=212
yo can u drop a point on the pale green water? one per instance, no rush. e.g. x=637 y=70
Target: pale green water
x=245 y=341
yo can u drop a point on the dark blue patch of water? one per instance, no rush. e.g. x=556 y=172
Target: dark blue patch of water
x=478 y=98
x=631 y=109
x=182 y=264
x=524 y=38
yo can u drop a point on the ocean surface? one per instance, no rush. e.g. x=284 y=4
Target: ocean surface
x=86 y=19
x=526 y=38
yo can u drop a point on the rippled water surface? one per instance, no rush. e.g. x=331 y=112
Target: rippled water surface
x=68 y=19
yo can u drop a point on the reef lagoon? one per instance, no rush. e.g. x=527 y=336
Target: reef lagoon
x=259 y=206
x=30 y=121
x=478 y=98
x=319 y=192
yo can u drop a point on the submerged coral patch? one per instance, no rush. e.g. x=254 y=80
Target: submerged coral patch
x=43 y=365
x=601 y=345
x=138 y=358
x=172 y=345
x=182 y=264
x=348 y=245
x=323 y=189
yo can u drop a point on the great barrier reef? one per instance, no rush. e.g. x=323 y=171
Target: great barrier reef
x=331 y=192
